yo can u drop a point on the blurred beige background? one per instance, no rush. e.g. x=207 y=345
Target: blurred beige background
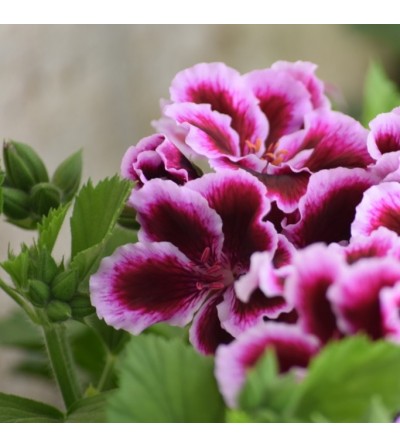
x=98 y=87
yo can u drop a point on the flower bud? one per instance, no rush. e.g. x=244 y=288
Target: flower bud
x=81 y=306
x=44 y=196
x=46 y=267
x=67 y=176
x=24 y=168
x=16 y=203
x=58 y=311
x=64 y=285
x=39 y=292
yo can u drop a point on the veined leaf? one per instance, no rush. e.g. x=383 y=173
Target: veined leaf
x=89 y=409
x=165 y=381
x=18 y=409
x=345 y=379
x=96 y=211
x=50 y=227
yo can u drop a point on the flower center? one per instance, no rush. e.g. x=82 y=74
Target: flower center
x=214 y=275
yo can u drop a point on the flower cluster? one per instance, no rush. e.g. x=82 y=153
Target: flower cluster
x=287 y=238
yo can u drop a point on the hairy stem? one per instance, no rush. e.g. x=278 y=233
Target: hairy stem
x=61 y=362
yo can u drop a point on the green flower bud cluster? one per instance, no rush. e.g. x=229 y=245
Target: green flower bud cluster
x=55 y=290
x=28 y=192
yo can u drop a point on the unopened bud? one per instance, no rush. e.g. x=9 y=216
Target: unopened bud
x=16 y=203
x=39 y=292
x=58 y=311
x=44 y=197
x=64 y=285
x=81 y=306
x=67 y=176
x=46 y=267
x=127 y=218
x=24 y=168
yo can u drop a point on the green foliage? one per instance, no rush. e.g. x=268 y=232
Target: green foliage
x=345 y=378
x=19 y=409
x=50 y=227
x=90 y=409
x=165 y=381
x=67 y=176
x=96 y=211
x=353 y=380
x=380 y=93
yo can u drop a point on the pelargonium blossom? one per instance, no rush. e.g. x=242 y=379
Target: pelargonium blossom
x=276 y=123
x=384 y=136
x=194 y=242
x=156 y=157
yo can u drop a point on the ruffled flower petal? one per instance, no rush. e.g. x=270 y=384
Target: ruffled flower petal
x=206 y=332
x=156 y=157
x=237 y=316
x=356 y=295
x=224 y=89
x=329 y=206
x=240 y=200
x=305 y=73
x=380 y=207
x=232 y=362
x=337 y=140
x=385 y=134
x=390 y=310
x=380 y=243
x=315 y=269
x=176 y=214
x=143 y=284
x=283 y=99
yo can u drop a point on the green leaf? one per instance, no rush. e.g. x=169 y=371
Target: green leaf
x=18 y=409
x=165 y=381
x=17 y=266
x=50 y=227
x=87 y=261
x=380 y=93
x=96 y=211
x=345 y=378
x=267 y=395
x=377 y=412
x=1 y=191
x=114 y=340
x=90 y=409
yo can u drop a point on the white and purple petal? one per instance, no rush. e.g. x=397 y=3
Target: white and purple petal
x=384 y=136
x=224 y=89
x=240 y=201
x=305 y=73
x=315 y=269
x=380 y=207
x=337 y=140
x=292 y=348
x=356 y=295
x=283 y=99
x=206 y=332
x=143 y=284
x=390 y=309
x=176 y=214
x=380 y=243
x=237 y=316
x=328 y=208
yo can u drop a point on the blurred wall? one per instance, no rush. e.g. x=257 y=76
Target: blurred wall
x=98 y=87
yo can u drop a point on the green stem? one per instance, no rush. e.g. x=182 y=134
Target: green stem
x=62 y=363
x=106 y=375
x=19 y=300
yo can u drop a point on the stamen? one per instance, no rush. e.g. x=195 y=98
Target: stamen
x=216 y=285
x=214 y=269
x=199 y=286
x=254 y=147
x=205 y=255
